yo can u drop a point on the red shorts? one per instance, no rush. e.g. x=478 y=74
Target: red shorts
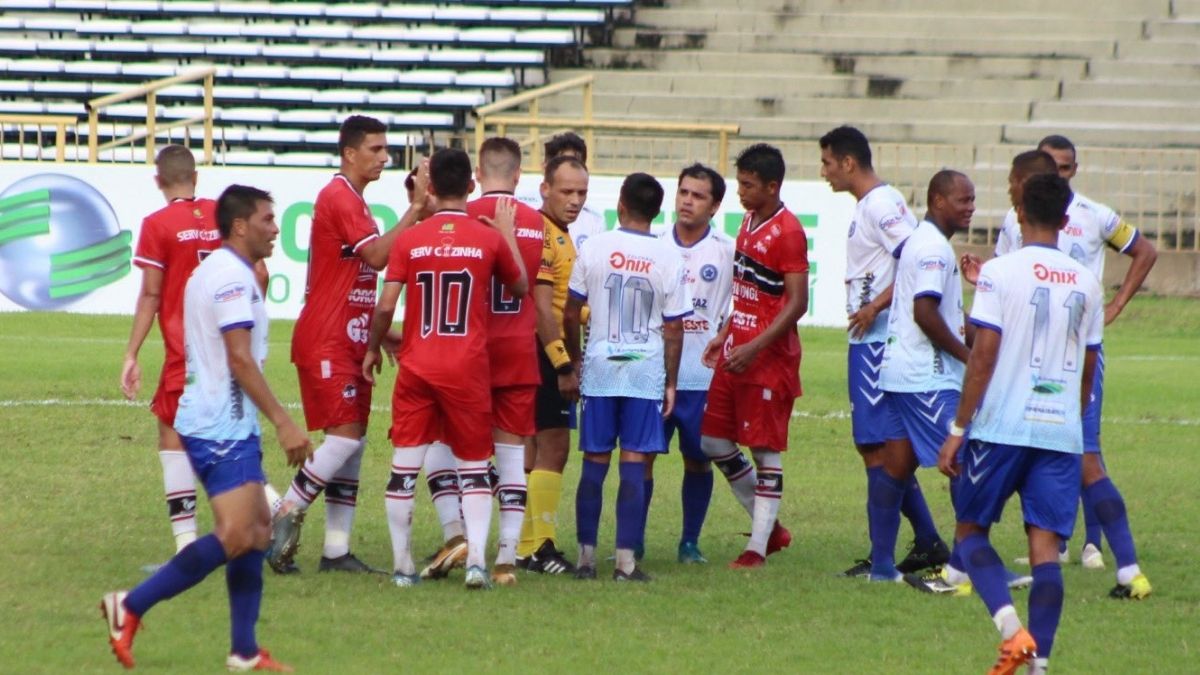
x=457 y=412
x=746 y=413
x=334 y=393
x=513 y=409
x=165 y=403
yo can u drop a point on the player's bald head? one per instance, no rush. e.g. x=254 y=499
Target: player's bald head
x=943 y=183
x=175 y=165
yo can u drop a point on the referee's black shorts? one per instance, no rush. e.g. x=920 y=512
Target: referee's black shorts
x=552 y=410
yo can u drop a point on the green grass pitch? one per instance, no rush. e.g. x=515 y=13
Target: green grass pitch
x=81 y=511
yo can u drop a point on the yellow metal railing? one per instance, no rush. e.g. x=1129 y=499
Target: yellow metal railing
x=37 y=122
x=152 y=127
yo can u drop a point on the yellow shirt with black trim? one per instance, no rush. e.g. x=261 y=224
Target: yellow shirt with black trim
x=558 y=257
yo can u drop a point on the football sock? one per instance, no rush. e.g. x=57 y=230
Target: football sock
x=476 y=487
x=186 y=569
x=406 y=468
x=631 y=498
x=311 y=479
x=956 y=571
x=649 y=490
x=1039 y=666
x=244 y=580
x=1045 y=605
x=735 y=467
x=884 y=495
x=510 y=494
x=274 y=500
x=1093 y=531
x=1110 y=510
x=916 y=510
x=180 y=487
x=987 y=574
x=341 y=498
x=625 y=560
x=696 y=494
x=545 y=490
x=589 y=501
x=1007 y=621
x=767 y=495
x=441 y=474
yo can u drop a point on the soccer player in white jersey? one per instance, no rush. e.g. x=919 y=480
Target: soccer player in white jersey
x=1039 y=319
x=225 y=333
x=882 y=221
x=708 y=262
x=1091 y=227
x=635 y=286
x=923 y=361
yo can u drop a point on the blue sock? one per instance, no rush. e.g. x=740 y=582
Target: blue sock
x=986 y=571
x=873 y=472
x=1091 y=522
x=883 y=506
x=186 y=569
x=244 y=580
x=1045 y=606
x=916 y=510
x=631 y=499
x=649 y=489
x=1110 y=511
x=696 y=495
x=589 y=501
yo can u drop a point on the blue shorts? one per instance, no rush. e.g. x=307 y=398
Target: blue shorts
x=868 y=406
x=225 y=465
x=635 y=423
x=1091 y=414
x=922 y=419
x=1047 y=481
x=686 y=417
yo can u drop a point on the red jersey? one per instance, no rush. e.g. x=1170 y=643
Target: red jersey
x=512 y=328
x=447 y=262
x=775 y=247
x=175 y=239
x=339 y=293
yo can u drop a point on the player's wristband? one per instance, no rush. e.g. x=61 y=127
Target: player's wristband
x=956 y=430
x=557 y=353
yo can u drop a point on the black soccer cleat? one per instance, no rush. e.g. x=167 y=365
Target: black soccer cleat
x=347 y=563
x=636 y=575
x=285 y=541
x=861 y=568
x=549 y=560
x=924 y=557
x=584 y=572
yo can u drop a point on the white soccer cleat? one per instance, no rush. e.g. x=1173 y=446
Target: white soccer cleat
x=1091 y=557
x=113 y=607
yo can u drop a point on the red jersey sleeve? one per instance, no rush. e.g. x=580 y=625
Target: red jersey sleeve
x=790 y=251
x=353 y=222
x=397 y=267
x=151 y=249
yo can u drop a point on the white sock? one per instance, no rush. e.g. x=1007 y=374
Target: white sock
x=441 y=473
x=476 y=508
x=180 y=487
x=735 y=467
x=401 y=488
x=341 y=500
x=1126 y=575
x=274 y=500
x=511 y=495
x=1007 y=621
x=1039 y=666
x=956 y=576
x=625 y=560
x=767 y=494
x=587 y=556
x=312 y=478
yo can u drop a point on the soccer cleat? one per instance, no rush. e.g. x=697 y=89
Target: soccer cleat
x=1017 y=581
x=748 y=560
x=122 y=626
x=585 y=572
x=936 y=583
x=347 y=563
x=405 y=580
x=897 y=578
x=861 y=568
x=523 y=562
x=477 y=579
x=1138 y=589
x=285 y=540
x=452 y=554
x=1015 y=652
x=549 y=560
x=780 y=539
x=1091 y=558
x=504 y=575
x=636 y=575
x=260 y=661
x=689 y=554
x=924 y=557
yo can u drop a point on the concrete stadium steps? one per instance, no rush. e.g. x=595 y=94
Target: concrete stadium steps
x=1184 y=71
x=1178 y=28
x=1124 y=8
x=1133 y=89
x=1160 y=49
x=1185 y=8
x=1144 y=134
x=1117 y=111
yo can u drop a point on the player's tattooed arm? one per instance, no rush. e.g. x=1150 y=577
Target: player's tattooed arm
x=672 y=335
x=860 y=321
x=245 y=370
x=795 y=290
x=1144 y=256
x=149 y=300
x=980 y=366
x=381 y=324
x=930 y=321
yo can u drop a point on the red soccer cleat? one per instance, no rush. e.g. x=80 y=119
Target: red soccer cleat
x=122 y=626
x=261 y=661
x=748 y=560
x=780 y=539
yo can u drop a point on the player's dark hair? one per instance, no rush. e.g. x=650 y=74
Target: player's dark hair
x=1045 y=199
x=566 y=141
x=1057 y=142
x=642 y=196
x=450 y=172
x=238 y=201
x=175 y=164
x=764 y=161
x=942 y=183
x=1032 y=162
x=501 y=155
x=700 y=172
x=846 y=141
x=355 y=128
x=553 y=165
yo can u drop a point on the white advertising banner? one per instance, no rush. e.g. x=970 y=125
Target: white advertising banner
x=67 y=231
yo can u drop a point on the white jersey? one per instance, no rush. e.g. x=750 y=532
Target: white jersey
x=708 y=272
x=589 y=224
x=1090 y=225
x=911 y=362
x=222 y=295
x=882 y=221
x=1048 y=308
x=632 y=281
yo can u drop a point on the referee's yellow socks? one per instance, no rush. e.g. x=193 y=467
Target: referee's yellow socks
x=541 y=510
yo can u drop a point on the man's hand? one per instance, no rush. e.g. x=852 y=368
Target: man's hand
x=668 y=401
x=506 y=216
x=742 y=357
x=372 y=364
x=131 y=377
x=1111 y=311
x=295 y=443
x=970 y=263
x=421 y=197
x=568 y=386
x=861 y=320
x=712 y=352
x=391 y=346
x=948 y=456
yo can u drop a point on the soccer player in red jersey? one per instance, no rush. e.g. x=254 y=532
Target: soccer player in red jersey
x=328 y=344
x=756 y=356
x=443 y=383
